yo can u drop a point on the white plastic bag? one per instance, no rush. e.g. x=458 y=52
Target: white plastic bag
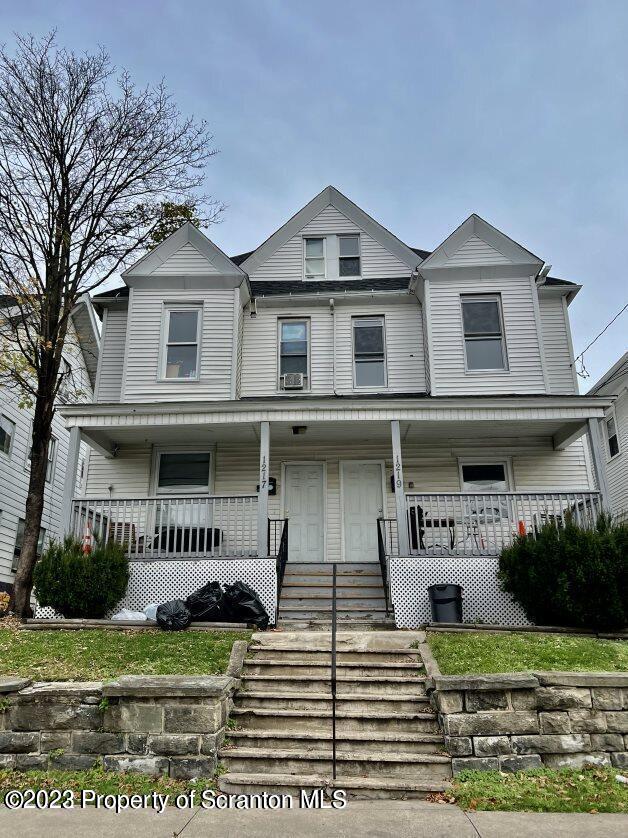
x=150 y=612
x=125 y=614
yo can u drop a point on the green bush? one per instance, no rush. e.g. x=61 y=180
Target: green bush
x=570 y=576
x=78 y=585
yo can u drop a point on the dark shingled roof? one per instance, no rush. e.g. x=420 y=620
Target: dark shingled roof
x=327 y=286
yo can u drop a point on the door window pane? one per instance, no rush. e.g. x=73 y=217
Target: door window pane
x=7 y=432
x=185 y=471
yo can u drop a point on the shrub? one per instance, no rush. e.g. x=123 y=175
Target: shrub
x=571 y=576
x=78 y=585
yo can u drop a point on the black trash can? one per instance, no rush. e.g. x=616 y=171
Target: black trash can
x=446 y=602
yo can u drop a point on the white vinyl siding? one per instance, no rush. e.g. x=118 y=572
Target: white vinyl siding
x=111 y=362
x=448 y=374
x=617 y=467
x=475 y=251
x=142 y=372
x=287 y=261
x=185 y=262
x=404 y=348
x=556 y=346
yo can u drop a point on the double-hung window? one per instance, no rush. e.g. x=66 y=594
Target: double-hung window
x=182 y=329
x=483 y=332
x=294 y=348
x=50 y=460
x=314 y=254
x=348 y=255
x=369 y=354
x=19 y=541
x=7 y=433
x=611 y=436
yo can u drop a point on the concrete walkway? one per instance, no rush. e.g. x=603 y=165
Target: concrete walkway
x=374 y=819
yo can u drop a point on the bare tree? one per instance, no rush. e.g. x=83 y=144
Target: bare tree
x=87 y=165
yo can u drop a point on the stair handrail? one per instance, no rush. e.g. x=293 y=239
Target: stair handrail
x=333 y=671
x=383 y=562
x=282 y=555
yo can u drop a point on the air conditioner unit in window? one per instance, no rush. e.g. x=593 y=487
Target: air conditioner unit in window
x=292 y=381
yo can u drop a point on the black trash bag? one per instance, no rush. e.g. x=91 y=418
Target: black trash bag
x=206 y=604
x=244 y=606
x=173 y=616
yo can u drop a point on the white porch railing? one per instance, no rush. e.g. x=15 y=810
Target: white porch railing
x=172 y=527
x=464 y=524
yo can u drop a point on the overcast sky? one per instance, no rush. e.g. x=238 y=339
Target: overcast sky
x=420 y=112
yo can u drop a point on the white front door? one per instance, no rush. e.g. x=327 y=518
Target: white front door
x=362 y=505
x=304 y=506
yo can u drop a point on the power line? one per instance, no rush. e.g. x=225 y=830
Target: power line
x=583 y=373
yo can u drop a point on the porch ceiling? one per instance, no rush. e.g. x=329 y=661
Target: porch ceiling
x=319 y=433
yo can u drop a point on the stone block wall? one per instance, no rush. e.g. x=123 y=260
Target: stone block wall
x=520 y=721
x=156 y=725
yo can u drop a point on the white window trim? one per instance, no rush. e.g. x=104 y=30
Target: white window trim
x=368 y=387
x=307 y=278
x=158 y=450
x=167 y=307
x=611 y=414
x=53 y=460
x=8 y=453
x=506 y=462
x=350 y=236
x=307 y=321
x=471 y=297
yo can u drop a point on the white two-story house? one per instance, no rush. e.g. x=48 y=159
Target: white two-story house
x=80 y=364
x=366 y=400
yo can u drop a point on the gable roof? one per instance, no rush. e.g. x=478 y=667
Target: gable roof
x=477 y=243
x=330 y=195
x=187 y=235
x=613 y=376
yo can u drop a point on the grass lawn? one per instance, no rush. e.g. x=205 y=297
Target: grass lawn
x=102 y=782
x=93 y=654
x=469 y=653
x=589 y=789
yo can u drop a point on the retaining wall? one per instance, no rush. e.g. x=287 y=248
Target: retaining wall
x=520 y=721
x=156 y=725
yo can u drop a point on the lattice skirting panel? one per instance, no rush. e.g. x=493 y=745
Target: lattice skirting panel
x=482 y=598
x=157 y=582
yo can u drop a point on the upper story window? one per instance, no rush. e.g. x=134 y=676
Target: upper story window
x=348 y=256
x=50 y=460
x=293 y=351
x=19 y=541
x=182 y=328
x=483 y=332
x=64 y=391
x=7 y=433
x=611 y=435
x=369 y=354
x=315 y=258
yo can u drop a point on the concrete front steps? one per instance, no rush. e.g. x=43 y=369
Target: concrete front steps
x=388 y=744
x=306 y=595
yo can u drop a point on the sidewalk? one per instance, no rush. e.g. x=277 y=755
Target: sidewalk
x=373 y=819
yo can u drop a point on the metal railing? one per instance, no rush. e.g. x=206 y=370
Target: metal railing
x=482 y=524
x=166 y=526
x=383 y=558
x=278 y=546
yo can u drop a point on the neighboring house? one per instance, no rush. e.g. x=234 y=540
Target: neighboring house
x=80 y=359
x=342 y=380
x=614 y=383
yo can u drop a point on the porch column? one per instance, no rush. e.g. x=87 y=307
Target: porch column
x=262 y=495
x=74 y=448
x=400 y=498
x=599 y=460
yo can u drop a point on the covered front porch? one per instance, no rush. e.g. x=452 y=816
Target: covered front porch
x=423 y=481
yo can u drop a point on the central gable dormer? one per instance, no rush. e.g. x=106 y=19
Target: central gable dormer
x=331 y=238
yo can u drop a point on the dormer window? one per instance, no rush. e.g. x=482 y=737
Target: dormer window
x=315 y=258
x=348 y=256
x=182 y=332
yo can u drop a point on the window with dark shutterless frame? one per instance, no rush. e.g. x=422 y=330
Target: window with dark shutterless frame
x=611 y=436
x=369 y=352
x=482 y=322
x=7 y=433
x=349 y=256
x=294 y=348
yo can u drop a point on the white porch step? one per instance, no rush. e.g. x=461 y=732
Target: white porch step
x=359 y=788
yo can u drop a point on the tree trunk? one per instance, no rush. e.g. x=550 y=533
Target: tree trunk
x=42 y=429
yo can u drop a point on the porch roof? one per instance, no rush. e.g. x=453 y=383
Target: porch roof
x=562 y=418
